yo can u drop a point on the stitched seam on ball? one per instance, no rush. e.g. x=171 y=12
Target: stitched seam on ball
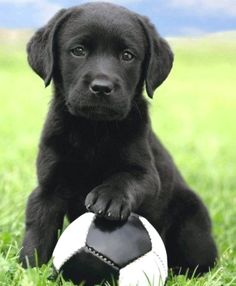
x=102 y=257
x=162 y=263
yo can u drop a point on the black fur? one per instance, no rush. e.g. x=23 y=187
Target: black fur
x=97 y=149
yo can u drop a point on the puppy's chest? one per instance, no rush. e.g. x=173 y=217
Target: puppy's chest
x=93 y=152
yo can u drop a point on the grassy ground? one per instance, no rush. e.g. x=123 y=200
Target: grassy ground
x=193 y=113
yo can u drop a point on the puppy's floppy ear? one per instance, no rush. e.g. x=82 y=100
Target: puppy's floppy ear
x=40 y=47
x=159 y=57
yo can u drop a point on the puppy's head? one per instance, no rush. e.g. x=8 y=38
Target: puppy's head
x=100 y=55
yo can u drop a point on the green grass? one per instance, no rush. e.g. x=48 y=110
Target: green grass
x=194 y=113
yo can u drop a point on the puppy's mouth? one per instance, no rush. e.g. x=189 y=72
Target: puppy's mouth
x=96 y=112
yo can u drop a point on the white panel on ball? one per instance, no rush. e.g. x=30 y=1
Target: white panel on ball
x=157 y=245
x=72 y=239
x=145 y=271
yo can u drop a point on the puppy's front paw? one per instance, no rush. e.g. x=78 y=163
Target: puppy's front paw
x=108 y=202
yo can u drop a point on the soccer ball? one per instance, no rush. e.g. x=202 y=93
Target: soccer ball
x=95 y=250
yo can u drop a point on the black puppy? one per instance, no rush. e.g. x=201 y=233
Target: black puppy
x=97 y=150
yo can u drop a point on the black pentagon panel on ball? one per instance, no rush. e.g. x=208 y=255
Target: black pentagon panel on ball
x=86 y=267
x=120 y=242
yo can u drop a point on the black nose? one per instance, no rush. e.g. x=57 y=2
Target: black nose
x=101 y=86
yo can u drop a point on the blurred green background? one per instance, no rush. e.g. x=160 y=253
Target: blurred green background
x=193 y=112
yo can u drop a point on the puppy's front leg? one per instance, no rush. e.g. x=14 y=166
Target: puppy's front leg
x=123 y=193
x=44 y=218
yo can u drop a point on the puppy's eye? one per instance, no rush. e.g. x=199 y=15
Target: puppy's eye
x=78 y=51
x=127 y=56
